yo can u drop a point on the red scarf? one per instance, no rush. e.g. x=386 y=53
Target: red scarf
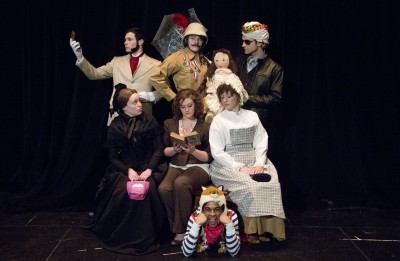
x=134 y=61
x=213 y=233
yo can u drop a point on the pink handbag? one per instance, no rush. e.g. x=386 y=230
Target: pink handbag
x=137 y=190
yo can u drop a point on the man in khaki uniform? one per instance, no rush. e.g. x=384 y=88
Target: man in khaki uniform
x=133 y=69
x=187 y=67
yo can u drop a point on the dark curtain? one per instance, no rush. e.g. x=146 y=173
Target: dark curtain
x=339 y=131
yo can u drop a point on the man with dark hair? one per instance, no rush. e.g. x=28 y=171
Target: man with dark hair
x=133 y=69
x=262 y=78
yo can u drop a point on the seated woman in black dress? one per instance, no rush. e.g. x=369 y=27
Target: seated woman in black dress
x=135 y=147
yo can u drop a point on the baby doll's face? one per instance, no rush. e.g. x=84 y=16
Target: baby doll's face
x=221 y=60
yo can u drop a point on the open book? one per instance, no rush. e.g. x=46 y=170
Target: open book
x=192 y=138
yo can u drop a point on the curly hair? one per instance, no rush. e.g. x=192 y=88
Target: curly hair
x=181 y=96
x=227 y=88
x=232 y=65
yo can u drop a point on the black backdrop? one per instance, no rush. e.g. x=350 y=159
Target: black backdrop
x=340 y=134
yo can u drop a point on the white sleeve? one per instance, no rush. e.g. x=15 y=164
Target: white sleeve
x=191 y=237
x=218 y=142
x=260 y=144
x=232 y=236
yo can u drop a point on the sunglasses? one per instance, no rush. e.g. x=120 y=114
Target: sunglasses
x=247 y=42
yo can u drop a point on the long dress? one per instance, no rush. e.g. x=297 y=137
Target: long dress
x=124 y=225
x=239 y=139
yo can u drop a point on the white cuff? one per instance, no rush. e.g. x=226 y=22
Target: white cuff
x=230 y=229
x=79 y=61
x=195 y=229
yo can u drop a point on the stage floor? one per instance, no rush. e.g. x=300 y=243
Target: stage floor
x=354 y=233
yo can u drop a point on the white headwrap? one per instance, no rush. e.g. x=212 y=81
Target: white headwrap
x=257 y=31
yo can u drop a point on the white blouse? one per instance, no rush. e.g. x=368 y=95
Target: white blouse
x=219 y=136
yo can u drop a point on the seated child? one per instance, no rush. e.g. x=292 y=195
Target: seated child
x=212 y=225
x=222 y=70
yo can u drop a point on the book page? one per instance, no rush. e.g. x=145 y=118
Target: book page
x=193 y=138
x=177 y=139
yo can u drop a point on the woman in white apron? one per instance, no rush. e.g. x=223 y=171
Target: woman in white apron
x=239 y=145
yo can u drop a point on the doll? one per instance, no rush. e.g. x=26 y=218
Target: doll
x=222 y=70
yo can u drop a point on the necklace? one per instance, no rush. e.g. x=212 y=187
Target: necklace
x=185 y=128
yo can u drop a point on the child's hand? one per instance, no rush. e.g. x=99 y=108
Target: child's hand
x=224 y=219
x=201 y=219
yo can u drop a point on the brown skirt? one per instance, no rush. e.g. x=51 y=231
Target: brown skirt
x=265 y=224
